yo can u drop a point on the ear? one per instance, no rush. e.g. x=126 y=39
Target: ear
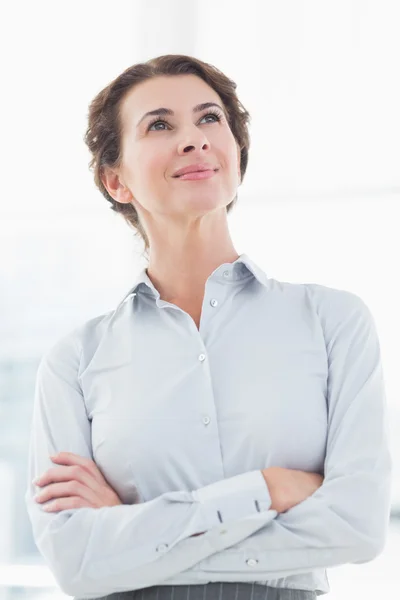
x=115 y=186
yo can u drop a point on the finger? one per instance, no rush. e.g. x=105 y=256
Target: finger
x=69 y=489
x=65 y=503
x=69 y=458
x=68 y=473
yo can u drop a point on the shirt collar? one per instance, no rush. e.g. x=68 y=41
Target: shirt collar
x=238 y=270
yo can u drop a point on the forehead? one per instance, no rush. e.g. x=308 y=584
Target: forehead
x=178 y=92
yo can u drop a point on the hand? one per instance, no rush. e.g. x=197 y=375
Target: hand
x=288 y=487
x=77 y=484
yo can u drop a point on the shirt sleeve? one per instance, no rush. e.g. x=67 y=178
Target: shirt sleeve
x=97 y=551
x=346 y=520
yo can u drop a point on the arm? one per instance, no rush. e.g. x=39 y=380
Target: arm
x=93 y=552
x=346 y=520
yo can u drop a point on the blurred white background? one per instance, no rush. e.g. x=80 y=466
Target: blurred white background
x=320 y=200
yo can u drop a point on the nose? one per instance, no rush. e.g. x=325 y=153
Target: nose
x=194 y=140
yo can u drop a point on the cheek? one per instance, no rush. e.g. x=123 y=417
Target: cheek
x=226 y=150
x=148 y=172
x=154 y=168
x=232 y=167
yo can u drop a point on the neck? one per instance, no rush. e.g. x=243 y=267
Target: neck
x=180 y=272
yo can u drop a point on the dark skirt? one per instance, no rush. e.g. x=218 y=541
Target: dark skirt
x=211 y=591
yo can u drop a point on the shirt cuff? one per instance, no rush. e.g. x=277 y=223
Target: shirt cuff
x=234 y=498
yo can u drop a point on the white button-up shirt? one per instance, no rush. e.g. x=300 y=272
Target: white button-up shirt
x=181 y=421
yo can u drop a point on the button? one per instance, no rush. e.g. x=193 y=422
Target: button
x=222 y=531
x=162 y=547
x=202 y=357
x=226 y=273
x=252 y=562
x=214 y=302
x=206 y=420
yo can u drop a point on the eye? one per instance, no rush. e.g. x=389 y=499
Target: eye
x=216 y=117
x=155 y=123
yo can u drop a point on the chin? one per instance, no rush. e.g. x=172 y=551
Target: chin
x=207 y=204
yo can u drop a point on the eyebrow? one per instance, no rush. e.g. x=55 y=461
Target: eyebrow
x=167 y=111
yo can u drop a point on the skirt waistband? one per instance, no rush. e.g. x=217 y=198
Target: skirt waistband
x=211 y=591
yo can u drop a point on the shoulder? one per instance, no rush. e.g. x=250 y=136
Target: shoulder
x=325 y=301
x=345 y=318
x=338 y=312
x=76 y=348
x=330 y=301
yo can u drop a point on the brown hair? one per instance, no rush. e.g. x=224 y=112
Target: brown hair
x=104 y=131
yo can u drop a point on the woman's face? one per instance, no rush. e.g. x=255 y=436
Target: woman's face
x=153 y=151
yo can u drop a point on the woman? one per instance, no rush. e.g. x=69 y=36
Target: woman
x=229 y=428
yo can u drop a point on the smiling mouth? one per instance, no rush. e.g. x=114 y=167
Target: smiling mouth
x=198 y=175
x=192 y=172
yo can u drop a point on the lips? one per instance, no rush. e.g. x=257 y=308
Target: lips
x=198 y=175
x=194 y=169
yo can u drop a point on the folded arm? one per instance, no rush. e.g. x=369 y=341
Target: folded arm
x=346 y=520
x=96 y=551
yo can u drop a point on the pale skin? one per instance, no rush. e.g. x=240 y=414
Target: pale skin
x=186 y=223
x=77 y=482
